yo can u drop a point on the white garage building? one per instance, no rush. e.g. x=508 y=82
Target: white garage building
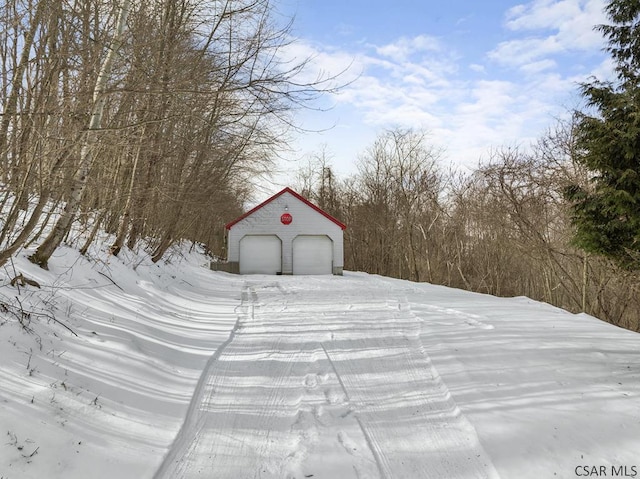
x=286 y=234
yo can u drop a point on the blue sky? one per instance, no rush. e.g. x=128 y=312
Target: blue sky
x=475 y=75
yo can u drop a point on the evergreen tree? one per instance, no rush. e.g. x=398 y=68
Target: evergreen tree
x=606 y=213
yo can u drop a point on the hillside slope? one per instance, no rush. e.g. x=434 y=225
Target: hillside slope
x=177 y=371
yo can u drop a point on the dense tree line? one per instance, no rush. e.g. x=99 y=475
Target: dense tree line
x=146 y=119
x=504 y=229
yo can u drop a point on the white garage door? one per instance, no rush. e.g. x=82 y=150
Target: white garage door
x=260 y=254
x=312 y=255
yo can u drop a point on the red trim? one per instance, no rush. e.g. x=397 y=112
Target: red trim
x=301 y=198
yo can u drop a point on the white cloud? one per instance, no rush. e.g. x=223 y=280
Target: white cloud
x=427 y=93
x=523 y=51
x=538 y=66
x=604 y=70
x=540 y=14
x=405 y=47
x=553 y=27
x=490 y=97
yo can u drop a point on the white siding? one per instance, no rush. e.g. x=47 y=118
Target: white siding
x=306 y=221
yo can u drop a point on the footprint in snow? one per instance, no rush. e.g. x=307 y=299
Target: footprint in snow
x=311 y=381
x=347 y=443
x=334 y=396
x=471 y=321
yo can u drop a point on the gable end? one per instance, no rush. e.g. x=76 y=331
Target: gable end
x=277 y=195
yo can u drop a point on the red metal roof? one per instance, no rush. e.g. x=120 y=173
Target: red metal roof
x=301 y=198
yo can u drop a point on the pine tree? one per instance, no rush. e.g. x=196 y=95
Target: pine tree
x=606 y=214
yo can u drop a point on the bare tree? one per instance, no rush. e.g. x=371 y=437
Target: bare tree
x=89 y=144
x=400 y=184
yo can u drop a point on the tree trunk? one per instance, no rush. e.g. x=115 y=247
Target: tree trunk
x=585 y=282
x=16 y=85
x=14 y=211
x=94 y=232
x=125 y=220
x=63 y=225
x=26 y=231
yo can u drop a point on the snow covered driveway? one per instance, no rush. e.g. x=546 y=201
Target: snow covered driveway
x=326 y=381
x=179 y=372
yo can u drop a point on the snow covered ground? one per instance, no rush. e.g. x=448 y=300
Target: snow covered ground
x=177 y=371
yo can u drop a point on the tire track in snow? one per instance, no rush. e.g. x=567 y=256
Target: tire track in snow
x=380 y=463
x=324 y=372
x=247 y=419
x=410 y=422
x=194 y=413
